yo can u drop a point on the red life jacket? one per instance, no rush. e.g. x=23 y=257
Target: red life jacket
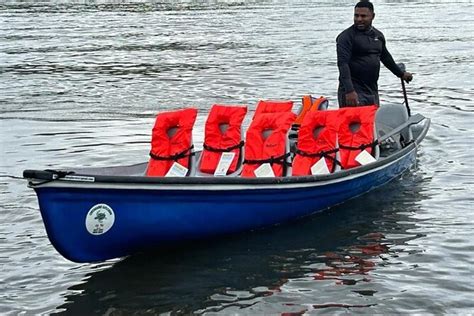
x=270 y=149
x=317 y=103
x=351 y=143
x=317 y=138
x=308 y=104
x=217 y=141
x=166 y=148
x=268 y=106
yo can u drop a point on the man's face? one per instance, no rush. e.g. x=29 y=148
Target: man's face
x=363 y=18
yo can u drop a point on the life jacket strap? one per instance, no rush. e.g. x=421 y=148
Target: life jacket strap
x=174 y=157
x=326 y=154
x=221 y=150
x=281 y=160
x=361 y=147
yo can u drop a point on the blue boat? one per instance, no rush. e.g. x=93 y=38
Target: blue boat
x=97 y=214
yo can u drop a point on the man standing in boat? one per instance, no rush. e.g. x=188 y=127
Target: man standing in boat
x=360 y=49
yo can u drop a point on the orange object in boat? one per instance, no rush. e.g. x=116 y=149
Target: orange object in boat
x=222 y=134
x=171 y=141
x=356 y=133
x=309 y=103
x=267 y=142
x=317 y=138
x=271 y=106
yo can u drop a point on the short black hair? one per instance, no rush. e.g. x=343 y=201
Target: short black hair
x=365 y=4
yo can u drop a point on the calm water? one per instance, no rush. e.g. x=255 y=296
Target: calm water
x=80 y=85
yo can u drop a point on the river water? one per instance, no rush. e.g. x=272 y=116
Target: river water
x=81 y=83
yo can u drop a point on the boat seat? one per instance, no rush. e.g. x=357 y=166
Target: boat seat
x=356 y=132
x=267 y=147
x=222 y=134
x=172 y=144
x=317 y=139
x=387 y=118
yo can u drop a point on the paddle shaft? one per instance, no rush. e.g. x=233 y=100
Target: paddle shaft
x=405 y=96
x=402 y=67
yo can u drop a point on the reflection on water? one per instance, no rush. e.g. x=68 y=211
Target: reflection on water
x=279 y=266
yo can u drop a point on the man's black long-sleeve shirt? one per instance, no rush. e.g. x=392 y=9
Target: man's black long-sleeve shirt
x=359 y=54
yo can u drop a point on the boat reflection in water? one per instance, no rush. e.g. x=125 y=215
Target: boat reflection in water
x=323 y=261
x=357 y=262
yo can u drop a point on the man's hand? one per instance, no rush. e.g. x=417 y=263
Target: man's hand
x=352 y=98
x=407 y=76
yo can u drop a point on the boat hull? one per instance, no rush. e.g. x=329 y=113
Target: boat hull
x=155 y=215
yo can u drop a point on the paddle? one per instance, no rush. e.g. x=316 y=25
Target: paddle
x=402 y=67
